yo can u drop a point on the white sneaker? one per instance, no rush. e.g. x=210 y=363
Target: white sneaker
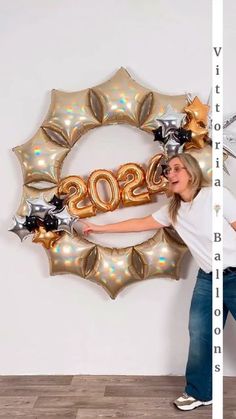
x=186 y=402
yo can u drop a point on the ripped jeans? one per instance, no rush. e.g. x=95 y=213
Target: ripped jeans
x=199 y=365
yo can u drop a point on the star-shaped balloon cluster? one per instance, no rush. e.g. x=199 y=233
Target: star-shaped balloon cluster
x=186 y=130
x=170 y=132
x=45 y=220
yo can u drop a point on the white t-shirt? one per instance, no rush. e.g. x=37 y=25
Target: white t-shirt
x=194 y=225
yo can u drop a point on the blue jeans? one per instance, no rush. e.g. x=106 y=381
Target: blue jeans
x=199 y=365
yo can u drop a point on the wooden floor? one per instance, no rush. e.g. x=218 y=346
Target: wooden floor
x=57 y=397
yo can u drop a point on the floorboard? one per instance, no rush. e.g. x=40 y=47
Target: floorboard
x=94 y=397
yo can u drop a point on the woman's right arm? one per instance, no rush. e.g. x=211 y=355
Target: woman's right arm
x=131 y=225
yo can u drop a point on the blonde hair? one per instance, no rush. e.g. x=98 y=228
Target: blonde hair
x=197 y=181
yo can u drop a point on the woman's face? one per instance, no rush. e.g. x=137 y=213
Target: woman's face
x=178 y=177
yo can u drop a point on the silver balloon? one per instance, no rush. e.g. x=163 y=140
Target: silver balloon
x=39 y=207
x=171 y=147
x=170 y=121
x=65 y=220
x=19 y=229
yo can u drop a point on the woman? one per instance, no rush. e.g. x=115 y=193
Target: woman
x=189 y=211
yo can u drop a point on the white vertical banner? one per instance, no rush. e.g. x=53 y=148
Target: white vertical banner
x=217 y=207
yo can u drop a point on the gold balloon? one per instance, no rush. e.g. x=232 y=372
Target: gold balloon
x=69 y=116
x=157 y=104
x=69 y=254
x=46 y=238
x=129 y=197
x=33 y=193
x=199 y=135
x=76 y=190
x=198 y=110
x=204 y=158
x=121 y=98
x=109 y=178
x=162 y=254
x=156 y=182
x=113 y=269
x=40 y=158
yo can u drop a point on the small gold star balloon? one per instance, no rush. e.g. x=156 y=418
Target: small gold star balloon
x=46 y=238
x=199 y=135
x=198 y=110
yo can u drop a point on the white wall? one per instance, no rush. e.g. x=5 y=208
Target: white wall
x=65 y=324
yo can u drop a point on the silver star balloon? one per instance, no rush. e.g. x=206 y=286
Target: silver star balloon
x=170 y=121
x=171 y=147
x=65 y=220
x=39 y=207
x=19 y=229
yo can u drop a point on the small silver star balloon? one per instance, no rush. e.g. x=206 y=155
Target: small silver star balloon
x=19 y=229
x=171 y=147
x=170 y=120
x=65 y=220
x=39 y=207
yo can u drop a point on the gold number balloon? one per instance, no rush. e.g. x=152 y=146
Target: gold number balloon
x=76 y=190
x=156 y=182
x=106 y=176
x=129 y=197
x=118 y=100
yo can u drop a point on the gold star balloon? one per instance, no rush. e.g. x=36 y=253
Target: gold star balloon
x=41 y=158
x=198 y=110
x=158 y=104
x=69 y=254
x=121 y=98
x=162 y=254
x=113 y=269
x=69 y=116
x=46 y=238
x=199 y=135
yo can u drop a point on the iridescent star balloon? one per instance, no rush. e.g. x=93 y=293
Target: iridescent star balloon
x=162 y=254
x=41 y=158
x=69 y=116
x=121 y=98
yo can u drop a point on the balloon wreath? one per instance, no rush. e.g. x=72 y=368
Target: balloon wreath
x=50 y=214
